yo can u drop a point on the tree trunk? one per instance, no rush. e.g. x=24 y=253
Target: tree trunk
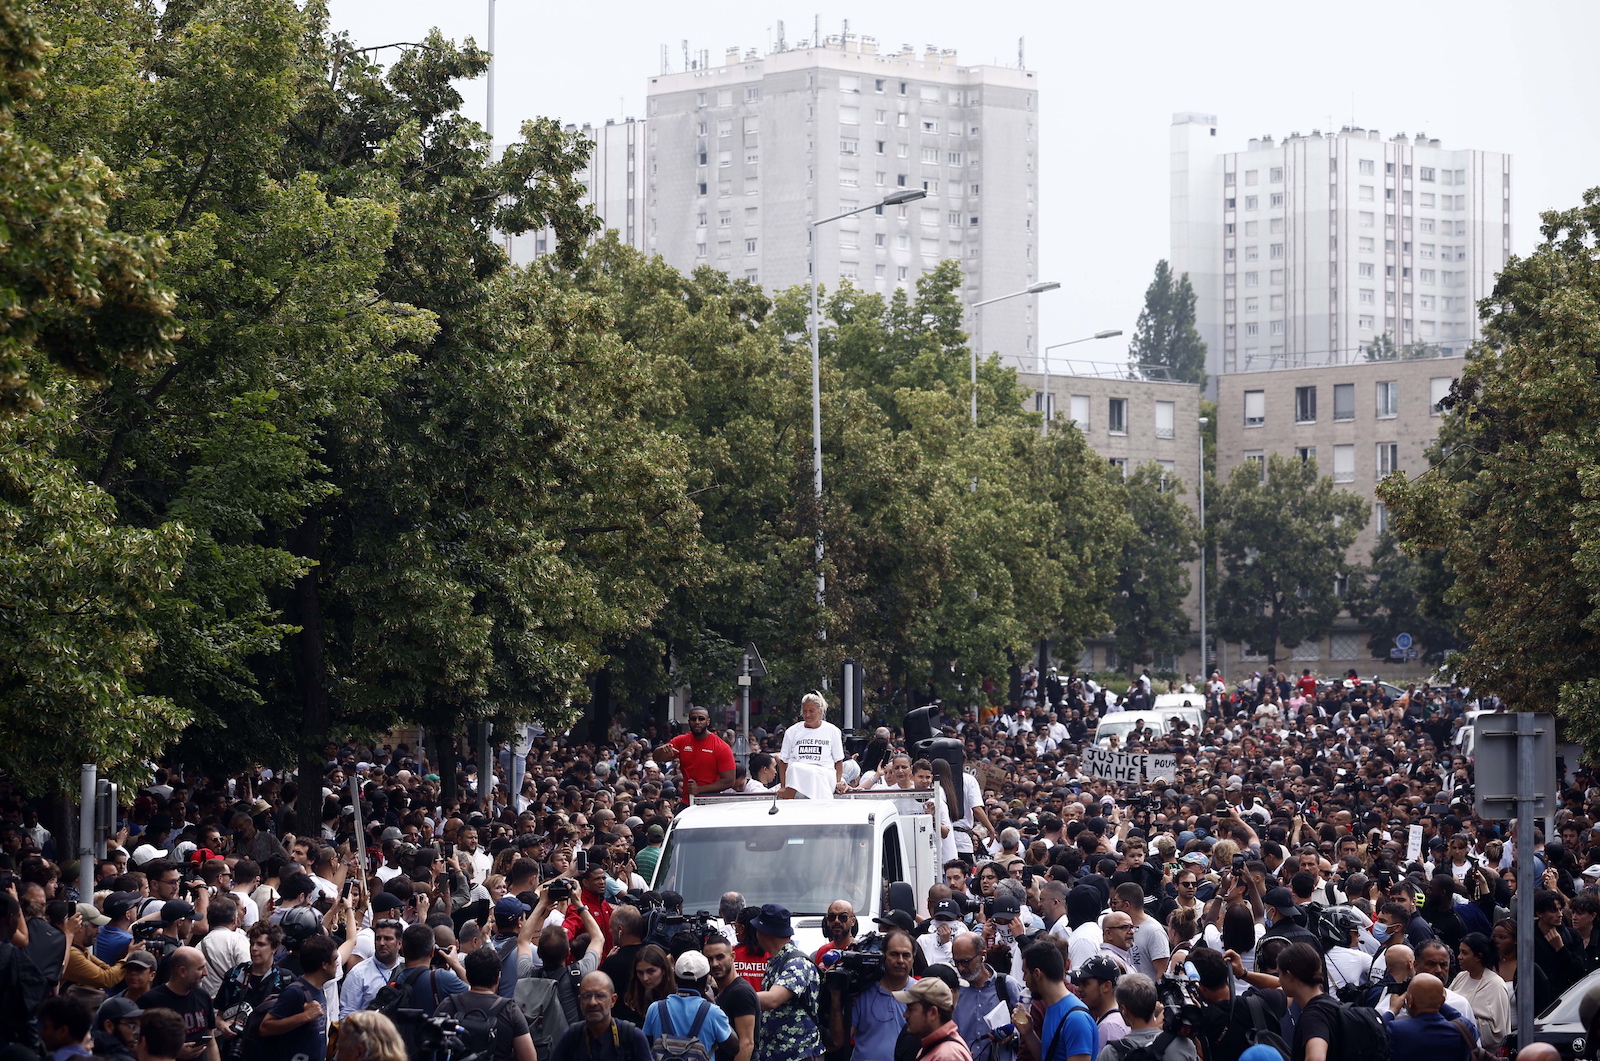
x=600 y=706
x=442 y=751
x=306 y=541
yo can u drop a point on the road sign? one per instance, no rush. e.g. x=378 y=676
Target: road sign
x=757 y=668
x=1497 y=769
x=1404 y=653
x=1402 y=641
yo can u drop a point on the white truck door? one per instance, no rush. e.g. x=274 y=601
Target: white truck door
x=921 y=838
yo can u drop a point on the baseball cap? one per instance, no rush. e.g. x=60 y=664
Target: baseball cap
x=92 y=916
x=1005 y=909
x=1195 y=858
x=897 y=919
x=386 y=901
x=931 y=990
x=1593 y=873
x=654 y=833
x=146 y=853
x=120 y=1007
x=142 y=958
x=176 y=910
x=1097 y=967
x=692 y=965
x=946 y=910
x=1282 y=899
x=510 y=908
x=118 y=903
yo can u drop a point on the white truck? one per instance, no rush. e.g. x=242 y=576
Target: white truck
x=803 y=854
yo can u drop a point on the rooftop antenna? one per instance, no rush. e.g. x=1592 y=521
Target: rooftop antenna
x=1021 y=65
x=816 y=31
x=781 y=45
x=665 y=66
x=686 y=55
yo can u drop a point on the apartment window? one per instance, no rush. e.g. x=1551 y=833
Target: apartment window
x=1365 y=193
x=1251 y=176
x=930 y=154
x=1276 y=277
x=849 y=116
x=1276 y=200
x=749 y=246
x=700 y=100
x=1275 y=251
x=724 y=158
x=1306 y=454
x=877 y=85
x=1366 y=269
x=1344 y=464
x=752 y=93
x=1368 y=296
x=972 y=222
x=1388 y=399
x=1250 y=202
x=1259 y=459
x=1366 y=321
x=1251 y=253
x=1366 y=167
x=1368 y=219
x=953 y=158
x=1276 y=175
x=1277 y=328
x=1381 y=517
x=1425 y=173
x=900 y=273
x=1305 y=405
x=1366 y=245
x=1252 y=328
x=1166 y=416
x=954 y=218
x=1388 y=458
x=849 y=147
x=879 y=240
x=1275 y=226
x=1121 y=465
x=1425 y=275
x=1344 y=401
x=1438 y=391
x=930 y=127
x=699 y=250
x=702 y=187
x=1117 y=416
x=1250 y=227
x=1255 y=408
x=1252 y=279
x=1079 y=408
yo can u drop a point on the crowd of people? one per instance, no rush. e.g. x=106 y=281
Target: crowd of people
x=1265 y=903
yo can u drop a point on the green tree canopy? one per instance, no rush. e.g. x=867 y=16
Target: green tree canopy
x=1153 y=571
x=1513 y=495
x=1283 y=538
x=1165 y=334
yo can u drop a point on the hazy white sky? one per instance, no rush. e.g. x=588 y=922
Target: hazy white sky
x=1508 y=77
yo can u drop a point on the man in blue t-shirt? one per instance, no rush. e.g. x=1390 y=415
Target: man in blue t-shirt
x=1067 y=1032
x=680 y=1010
x=297 y=1023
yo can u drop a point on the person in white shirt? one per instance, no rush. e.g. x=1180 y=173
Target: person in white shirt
x=473 y=859
x=763 y=773
x=814 y=745
x=944 y=927
x=224 y=946
x=246 y=879
x=975 y=815
x=922 y=777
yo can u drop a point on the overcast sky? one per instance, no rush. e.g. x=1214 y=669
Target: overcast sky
x=1506 y=77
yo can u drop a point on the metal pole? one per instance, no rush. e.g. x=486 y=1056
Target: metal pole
x=1525 y=877
x=1205 y=672
x=489 y=117
x=816 y=416
x=361 y=832
x=744 y=710
x=977 y=314
x=485 y=768
x=1044 y=428
x=86 y=832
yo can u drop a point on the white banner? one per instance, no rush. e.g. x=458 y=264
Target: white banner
x=1127 y=767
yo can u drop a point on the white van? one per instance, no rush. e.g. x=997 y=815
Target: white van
x=802 y=854
x=1191 y=707
x=1121 y=722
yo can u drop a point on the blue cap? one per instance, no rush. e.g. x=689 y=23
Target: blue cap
x=509 y=908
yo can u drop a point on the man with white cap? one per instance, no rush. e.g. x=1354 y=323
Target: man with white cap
x=687 y=1014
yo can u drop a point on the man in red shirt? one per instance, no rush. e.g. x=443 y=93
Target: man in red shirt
x=1307 y=685
x=592 y=894
x=704 y=759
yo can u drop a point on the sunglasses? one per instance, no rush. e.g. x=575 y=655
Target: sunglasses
x=837 y=917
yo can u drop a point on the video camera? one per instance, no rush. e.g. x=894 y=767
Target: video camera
x=699 y=925
x=1180 y=1004
x=849 y=971
x=1145 y=804
x=431 y=1036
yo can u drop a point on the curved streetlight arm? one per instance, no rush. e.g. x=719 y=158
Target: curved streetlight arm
x=897 y=199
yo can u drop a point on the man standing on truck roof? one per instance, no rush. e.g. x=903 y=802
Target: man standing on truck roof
x=704 y=759
x=814 y=744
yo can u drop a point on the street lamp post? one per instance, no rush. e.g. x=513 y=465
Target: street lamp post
x=1032 y=289
x=1205 y=674
x=899 y=198
x=1044 y=359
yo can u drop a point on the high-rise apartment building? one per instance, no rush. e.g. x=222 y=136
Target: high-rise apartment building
x=1309 y=250
x=613 y=188
x=742 y=158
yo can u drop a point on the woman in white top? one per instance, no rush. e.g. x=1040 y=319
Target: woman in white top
x=1480 y=985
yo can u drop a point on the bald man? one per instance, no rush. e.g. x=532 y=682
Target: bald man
x=186 y=967
x=1426 y=1032
x=1538 y=1052
x=601 y=1037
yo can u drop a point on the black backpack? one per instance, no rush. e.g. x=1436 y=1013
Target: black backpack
x=1263 y=1029
x=480 y=1028
x=1361 y=1035
x=1154 y=1050
x=395 y=995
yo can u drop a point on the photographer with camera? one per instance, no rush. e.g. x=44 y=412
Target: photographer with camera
x=1227 y=1024
x=1146 y=1040
x=297 y=1024
x=867 y=1005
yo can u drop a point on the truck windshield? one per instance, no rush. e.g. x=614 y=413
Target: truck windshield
x=802 y=867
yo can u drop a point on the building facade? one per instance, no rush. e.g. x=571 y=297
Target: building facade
x=1133 y=422
x=612 y=188
x=744 y=156
x=1309 y=251
x=1360 y=422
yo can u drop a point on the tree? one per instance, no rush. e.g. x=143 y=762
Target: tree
x=1511 y=496
x=1283 y=537
x=1165 y=334
x=1401 y=593
x=1153 y=574
x=1383 y=348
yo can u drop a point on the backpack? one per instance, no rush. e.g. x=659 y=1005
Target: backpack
x=1475 y=1048
x=480 y=1028
x=672 y=1047
x=395 y=995
x=540 y=999
x=1154 y=1050
x=1263 y=1030
x=1360 y=1035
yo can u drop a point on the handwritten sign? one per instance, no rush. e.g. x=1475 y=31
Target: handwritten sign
x=1129 y=768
